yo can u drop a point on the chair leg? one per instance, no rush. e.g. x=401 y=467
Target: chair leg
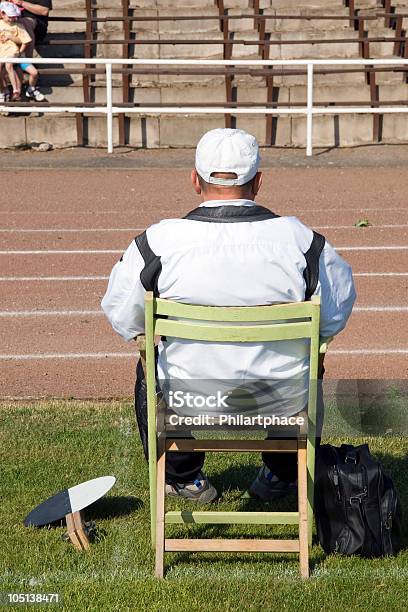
x=311 y=454
x=160 y=510
x=303 y=510
x=153 y=491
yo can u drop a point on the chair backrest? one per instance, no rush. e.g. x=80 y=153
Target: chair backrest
x=277 y=322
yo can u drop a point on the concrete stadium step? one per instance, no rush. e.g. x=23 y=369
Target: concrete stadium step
x=324 y=80
x=245 y=4
x=69 y=79
x=63 y=50
x=376 y=29
x=166 y=29
x=137 y=51
x=394 y=92
x=216 y=94
x=330 y=131
x=394 y=81
x=394 y=129
x=240 y=25
x=327 y=50
x=60 y=130
x=74 y=94
x=65 y=27
x=337 y=93
x=256 y=125
x=242 y=93
x=144 y=26
x=191 y=5
x=109 y=4
x=178 y=80
x=258 y=94
x=305 y=25
x=389 y=78
x=366 y=4
x=70 y=5
x=242 y=51
x=321 y=5
x=181 y=50
x=184 y=95
x=195 y=5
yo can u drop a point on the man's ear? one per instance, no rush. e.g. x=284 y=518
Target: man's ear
x=257 y=182
x=195 y=182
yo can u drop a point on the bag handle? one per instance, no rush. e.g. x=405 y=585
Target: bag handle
x=350 y=453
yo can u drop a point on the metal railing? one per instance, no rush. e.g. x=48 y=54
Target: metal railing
x=309 y=110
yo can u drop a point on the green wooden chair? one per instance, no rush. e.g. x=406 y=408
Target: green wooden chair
x=202 y=323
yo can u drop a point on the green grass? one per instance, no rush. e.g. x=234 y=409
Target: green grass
x=46 y=447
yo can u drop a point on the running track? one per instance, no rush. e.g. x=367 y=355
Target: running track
x=62 y=230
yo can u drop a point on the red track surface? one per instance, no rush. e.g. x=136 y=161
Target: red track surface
x=105 y=199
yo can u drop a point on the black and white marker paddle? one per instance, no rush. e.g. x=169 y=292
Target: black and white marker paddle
x=69 y=503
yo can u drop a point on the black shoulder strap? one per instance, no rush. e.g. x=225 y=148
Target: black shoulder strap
x=311 y=272
x=149 y=276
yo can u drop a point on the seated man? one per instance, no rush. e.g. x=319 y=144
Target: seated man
x=228 y=252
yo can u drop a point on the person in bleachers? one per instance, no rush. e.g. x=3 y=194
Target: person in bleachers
x=32 y=91
x=35 y=20
x=13 y=37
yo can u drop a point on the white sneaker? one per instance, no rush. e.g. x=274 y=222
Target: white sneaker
x=2 y=98
x=200 y=490
x=35 y=93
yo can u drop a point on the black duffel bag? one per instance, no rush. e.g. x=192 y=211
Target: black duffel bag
x=356 y=503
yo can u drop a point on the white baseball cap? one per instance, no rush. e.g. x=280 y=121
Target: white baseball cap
x=227 y=150
x=11 y=10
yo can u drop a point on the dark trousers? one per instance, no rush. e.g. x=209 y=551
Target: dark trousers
x=184 y=467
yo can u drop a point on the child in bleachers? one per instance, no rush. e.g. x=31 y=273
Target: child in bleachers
x=12 y=38
x=32 y=91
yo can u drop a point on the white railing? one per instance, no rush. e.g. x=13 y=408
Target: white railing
x=309 y=110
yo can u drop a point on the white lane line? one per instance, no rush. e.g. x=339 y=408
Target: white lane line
x=43 y=356
x=372 y=248
x=116 y=251
x=380 y=309
x=52 y=278
x=368 y=274
x=370 y=227
x=83 y=313
x=378 y=351
x=67 y=356
x=64 y=252
x=50 y=313
x=16 y=230
x=64 y=230
x=356 y=211
x=100 y=278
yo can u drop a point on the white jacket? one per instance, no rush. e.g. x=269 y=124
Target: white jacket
x=231 y=253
